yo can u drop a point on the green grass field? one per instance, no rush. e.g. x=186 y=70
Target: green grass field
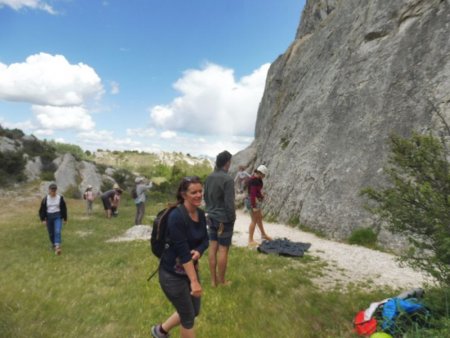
x=99 y=289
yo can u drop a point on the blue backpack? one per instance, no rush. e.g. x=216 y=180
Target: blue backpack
x=399 y=313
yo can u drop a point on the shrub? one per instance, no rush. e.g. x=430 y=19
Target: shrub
x=364 y=237
x=47 y=175
x=34 y=147
x=12 y=166
x=106 y=185
x=73 y=192
x=417 y=201
x=13 y=134
x=63 y=148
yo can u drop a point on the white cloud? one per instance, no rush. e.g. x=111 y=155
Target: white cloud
x=24 y=125
x=168 y=134
x=115 y=88
x=51 y=117
x=104 y=139
x=45 y=79
x=43 y=132
x=33 y=4
x=212 y=101
x=141 y=132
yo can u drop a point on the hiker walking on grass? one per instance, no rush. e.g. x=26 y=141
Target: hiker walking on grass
x=253 y=204
x=178 y=269
x=53 y=213
x=219 y=199
x=139 y=200
x=89 y=197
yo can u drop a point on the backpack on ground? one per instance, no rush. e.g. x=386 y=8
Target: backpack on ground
x=134 y=194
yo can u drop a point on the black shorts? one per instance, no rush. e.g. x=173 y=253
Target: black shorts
x=178 y=291
x=220 y=232
x=106 y=203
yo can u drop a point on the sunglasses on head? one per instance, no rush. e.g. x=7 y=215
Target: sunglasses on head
x=191 y=179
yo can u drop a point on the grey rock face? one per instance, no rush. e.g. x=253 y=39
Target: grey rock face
x=66 y=174
x=7 y=144
x=33 y=168
x=357 y=72
x=89 y=176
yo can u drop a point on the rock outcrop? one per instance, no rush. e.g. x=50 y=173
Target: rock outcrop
x=89 y=176
x=356 y=72
x=33 y=168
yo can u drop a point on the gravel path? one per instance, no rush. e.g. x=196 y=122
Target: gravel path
x=346 y=263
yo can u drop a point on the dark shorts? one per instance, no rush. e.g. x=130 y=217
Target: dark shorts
x=106 y=203
x=248 y=205
x=220 y=232
x=178 y=291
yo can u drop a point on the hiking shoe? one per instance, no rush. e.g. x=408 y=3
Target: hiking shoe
x=58 y=250
x=156 y=333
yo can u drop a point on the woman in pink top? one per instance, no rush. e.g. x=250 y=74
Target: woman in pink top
x=253 y=204
x=89 y=197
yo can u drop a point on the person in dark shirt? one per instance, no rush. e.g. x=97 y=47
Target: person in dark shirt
x=178 y=270
x=219 y=199
x=108 y=199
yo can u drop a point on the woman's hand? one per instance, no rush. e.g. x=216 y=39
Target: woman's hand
x=195 y=255
x=196 y=288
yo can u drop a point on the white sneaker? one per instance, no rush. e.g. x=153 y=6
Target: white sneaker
x=156 y=333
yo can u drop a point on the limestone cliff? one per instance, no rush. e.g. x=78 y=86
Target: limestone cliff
x=357 y=71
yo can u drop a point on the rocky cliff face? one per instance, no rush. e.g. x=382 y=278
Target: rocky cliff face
x=357 y=71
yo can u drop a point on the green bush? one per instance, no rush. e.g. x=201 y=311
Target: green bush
x=34 y=147
x=416 y=203
x=47 y=175
x=63 y=148
x=14 y=134
x=73 y=192
x=364 y=237
x=106 y=185
x=12 y=167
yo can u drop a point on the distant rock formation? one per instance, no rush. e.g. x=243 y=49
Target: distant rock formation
x=66 y=174
x=357 y=71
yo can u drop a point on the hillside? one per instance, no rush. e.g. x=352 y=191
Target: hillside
x=25 y=158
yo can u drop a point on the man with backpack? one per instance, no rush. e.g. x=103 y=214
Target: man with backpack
x=219 y=199
x=139 y=198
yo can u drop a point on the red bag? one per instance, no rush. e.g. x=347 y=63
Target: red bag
x=362 y=326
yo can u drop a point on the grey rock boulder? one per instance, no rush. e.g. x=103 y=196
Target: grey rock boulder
x=67 y=174
x=33 y=168
x=89 y=176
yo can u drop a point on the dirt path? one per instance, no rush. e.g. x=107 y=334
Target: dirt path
x=346 y=263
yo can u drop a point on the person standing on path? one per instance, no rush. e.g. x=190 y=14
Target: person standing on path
x=178 y=268
x=219 y=199
x=141 y=188
x=241 y=177
x=253 y=204
x=53 y=213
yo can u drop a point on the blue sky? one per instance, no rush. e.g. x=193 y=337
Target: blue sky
x=150 y=75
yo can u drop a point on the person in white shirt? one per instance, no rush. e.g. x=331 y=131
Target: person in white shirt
x=53 y=213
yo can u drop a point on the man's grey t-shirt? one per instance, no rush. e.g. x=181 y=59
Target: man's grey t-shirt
x=219 y=196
